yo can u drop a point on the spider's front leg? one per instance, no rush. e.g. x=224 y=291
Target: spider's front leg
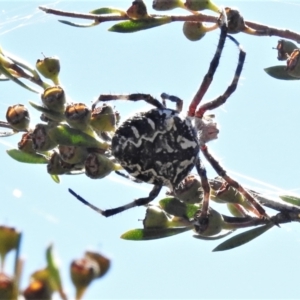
x=113 y=211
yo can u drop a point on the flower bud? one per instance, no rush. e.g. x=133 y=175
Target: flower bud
x=103 y=118
x=214 y=226
x=293 y=64
x=78 y=115
x=83 y=272
x=137 y=10
x=40 y=138
x=49 y=67
x=54 y=98
x=98 y=166
x=162 y=5
x=285 y=49
x=72 y=154
x=37 y=289
x=155 y=218
x=7 y=287
x=194 y=31
x=189 y=190
x=102 y=261
x=9 y=240
x=201 y=5
x=56 y=166
x=18 y=117
x=26 y=144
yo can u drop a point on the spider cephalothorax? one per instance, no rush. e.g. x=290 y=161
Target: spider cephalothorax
x=161 y=147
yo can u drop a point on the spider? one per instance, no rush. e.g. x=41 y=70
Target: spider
x=161 y=147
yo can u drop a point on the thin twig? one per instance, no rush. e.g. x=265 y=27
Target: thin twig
x=261 y=29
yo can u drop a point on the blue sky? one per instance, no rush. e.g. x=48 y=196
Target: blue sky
x=258 y=145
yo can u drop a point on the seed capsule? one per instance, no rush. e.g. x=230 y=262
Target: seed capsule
x=98 y=166
x=72 y=154
x=137 y=10
x=26 y=144
x=7 y=287
x=214 y=226
x=190 y=190
x=49 y=67
x=285 y=48
x=103 y=118
x=56 y=166
x=40 y=138
x=293 y=64
x=197 y=5
x=78 y=115
x=162 y=5
x=155 y=218
x=18 y=117
x=194 y=31
x=54 y=98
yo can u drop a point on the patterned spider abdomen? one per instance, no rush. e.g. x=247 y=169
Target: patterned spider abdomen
x=158 y=147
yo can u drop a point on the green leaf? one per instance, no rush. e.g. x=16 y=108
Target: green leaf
x=290 y=199
x=53 y=115
x=79 y=25
x=55 y=178
x=54 y=275
x=279 y=72
x=152 y=234
x=65 y=135
x=107 y=11
x=137 y=25
x=175 y=207
x=243 y=238
x=24 y=157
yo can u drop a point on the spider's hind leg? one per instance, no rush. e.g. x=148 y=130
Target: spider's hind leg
x=113 y=211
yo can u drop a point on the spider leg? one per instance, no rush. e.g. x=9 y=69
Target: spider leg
x=208 y=78
x=221 y=172
x=110 y=212
x=230 y=89
x=131 y=97
x=178 y=101
x=131 y=178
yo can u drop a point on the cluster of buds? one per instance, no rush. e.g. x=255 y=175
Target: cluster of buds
x=72 y=138
x=45 y=282
x=182 y=212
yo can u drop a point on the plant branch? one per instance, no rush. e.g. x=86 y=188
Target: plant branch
x=259 y=29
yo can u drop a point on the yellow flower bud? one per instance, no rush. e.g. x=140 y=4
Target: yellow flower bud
x=155 y=218
x=54 y=98
x=78 y=115
x=201 y=5
x=18 y=117
x=162 y=5
x=103 y=118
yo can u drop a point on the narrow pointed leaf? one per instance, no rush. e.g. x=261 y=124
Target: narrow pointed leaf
x=152 y=234
x=78 y=24
x=55 y=116
x=24 y=157
x=137 y=25
x=55 y=178
x=279 y=72
x=5 y=134
x=290 y=199
x=177 y=208
x=243 y=238
x=54 y=274
x=16 y=80
x=107 y=11
x=222 y=234
x=65 y=135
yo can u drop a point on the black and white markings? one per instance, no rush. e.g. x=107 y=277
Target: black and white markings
x=158 y=147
